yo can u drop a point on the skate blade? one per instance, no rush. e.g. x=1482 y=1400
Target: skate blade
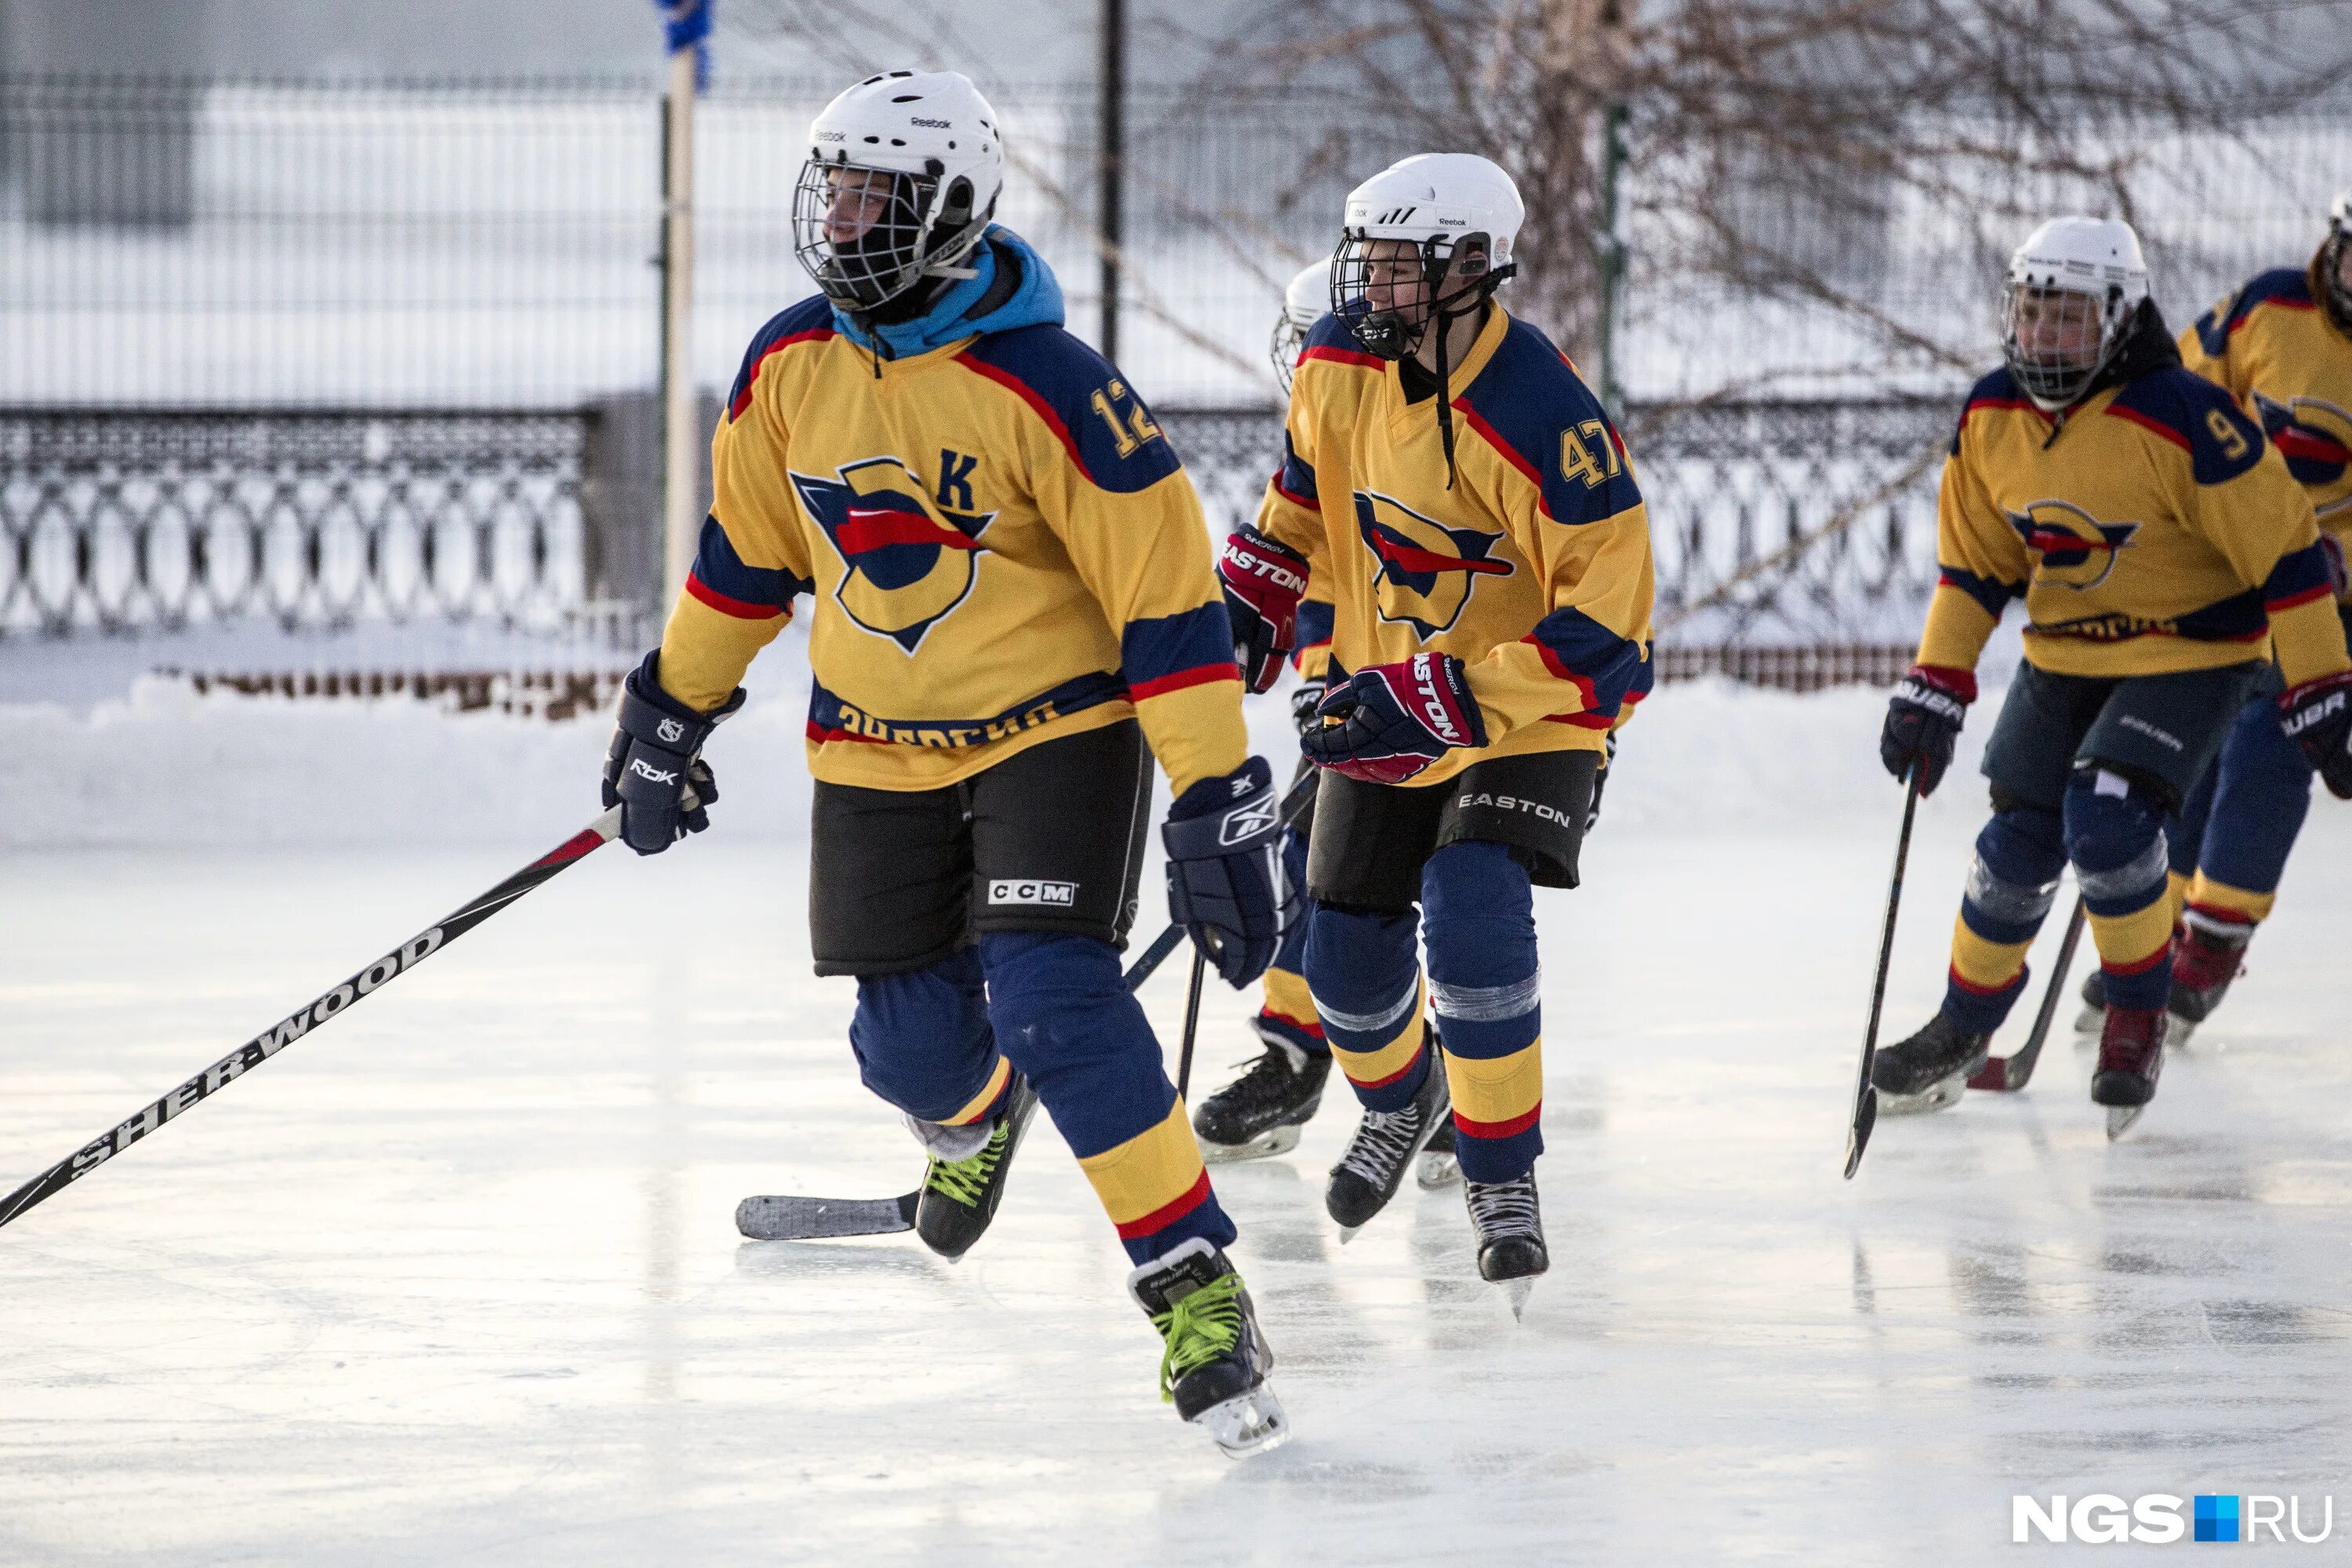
x=1272 y=1142
x=1944 y=1091
x=1347 y=1233
x=1433 y=1171
x=2177 y=1032
x=1515 y=1292
x=1246 y=1423
x=2120 y=1118
x=2089 y=1020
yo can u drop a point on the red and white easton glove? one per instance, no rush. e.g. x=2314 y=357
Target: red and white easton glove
x=1264 y=580
x=1391 y=720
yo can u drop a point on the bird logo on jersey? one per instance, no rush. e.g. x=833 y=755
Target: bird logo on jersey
x=910 y=561
x=1426 y=569
x=2075 y=549
x=2313 y=436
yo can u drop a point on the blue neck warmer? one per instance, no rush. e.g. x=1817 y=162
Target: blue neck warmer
x=1037 y=298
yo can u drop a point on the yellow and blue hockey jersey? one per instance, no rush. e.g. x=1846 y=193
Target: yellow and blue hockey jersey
x=1001 y=546
x=1533 y=568
x=2288 y=363
x=2154 y=528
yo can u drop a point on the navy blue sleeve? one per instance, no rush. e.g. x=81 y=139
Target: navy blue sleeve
x=1108 y=431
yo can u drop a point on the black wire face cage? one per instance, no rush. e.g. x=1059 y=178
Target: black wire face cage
x=2051 y=376
x=860 y=232
x=1394 y=329
x=1284 y=350
x=2331 y=270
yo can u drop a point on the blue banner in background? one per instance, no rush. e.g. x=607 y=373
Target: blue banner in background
x=686 y=24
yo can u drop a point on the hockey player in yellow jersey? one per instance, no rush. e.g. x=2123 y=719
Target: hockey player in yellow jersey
x=1013 y=601
x=1473 y=511
x=2281 y=345
x=2163 y=552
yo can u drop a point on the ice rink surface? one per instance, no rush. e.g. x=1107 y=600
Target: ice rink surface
x=454 y=1280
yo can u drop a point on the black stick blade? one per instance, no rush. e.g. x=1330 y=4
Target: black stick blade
x=783 y=1218
x=1857 y=1136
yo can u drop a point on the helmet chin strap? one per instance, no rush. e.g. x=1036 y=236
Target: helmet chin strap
x=1442 y=321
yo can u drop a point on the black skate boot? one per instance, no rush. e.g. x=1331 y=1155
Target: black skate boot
x=1509 y=1223
x=2208 y=954
x=1929 y=1071
x=1437 y=1167
x=2093 y=1016
x=959 y=1195
x=1216 y=1360
x=1368 y=1175
x=2131 y=1054
x=1260 y=1113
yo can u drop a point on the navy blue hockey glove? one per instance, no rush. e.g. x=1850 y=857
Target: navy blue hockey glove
x=1389 y=721
x=1264 y=580
x=1600 y=781
x=1225 y=881
x=1304 y=703
x=1923 y=722
x=2317 y=716
x=654 y=771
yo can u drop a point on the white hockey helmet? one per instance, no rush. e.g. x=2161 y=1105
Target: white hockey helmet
x=2332 y=267
x=1304 y=302
x=1458 y=213
x=902 y=176
x=2075 y=286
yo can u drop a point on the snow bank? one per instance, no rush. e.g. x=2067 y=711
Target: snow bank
x=166 y=767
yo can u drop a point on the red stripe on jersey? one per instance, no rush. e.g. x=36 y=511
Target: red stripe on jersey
x=1510 y=454
x=815 y=334
x=1166 y=1215
x=741 y=609
x=825 y=737
x=1199 y=675
x=1344 y=356
x=1582 y=720
x=1583 y=683
x=2118 y=411
x=1516 y=1125
x=1029 y=394
x=2322 y=591
x=1309 y=502
x=2310 y=446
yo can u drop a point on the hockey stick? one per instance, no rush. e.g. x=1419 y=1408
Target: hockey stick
x=1191 y=1025
x=782 y=1216
x=2011 y=1074
x=271 y=1041
x=1865 y=1096
x=785 y=1216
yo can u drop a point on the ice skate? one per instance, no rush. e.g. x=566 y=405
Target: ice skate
x=1436 y=1166
x=1216 y=1359
x=2093 y=1016
x=1260 y=1113
x=2208 y=954
x=1929 y=1071
x=1368 y=1174
x=960 y=1192
x=2131 y=1054
x=1509 y=1223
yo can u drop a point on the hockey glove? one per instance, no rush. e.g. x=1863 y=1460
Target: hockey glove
x=655 y=772
x=1225 y=881
x=1600 y=781
x=1264 y=581
x=1305 y=701
x=2317 y=716
x=1923 y=722
x=1391 y=720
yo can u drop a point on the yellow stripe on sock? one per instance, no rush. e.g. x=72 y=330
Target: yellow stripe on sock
x=1496 y=1089
x=2127 y=941
x=1286 y=994
x=1149 y=1172
x=1985 y=966
x=2176 y=893
x=2208 y=894
x=985 y=1099
x=1377 y=1066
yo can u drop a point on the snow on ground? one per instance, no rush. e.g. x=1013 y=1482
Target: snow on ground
x=455 y=1280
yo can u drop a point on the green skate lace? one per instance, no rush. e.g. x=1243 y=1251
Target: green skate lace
x=1199 y=1328
x=965 y=1180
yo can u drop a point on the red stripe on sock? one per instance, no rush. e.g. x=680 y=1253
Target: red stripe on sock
x=1166 y=1215
x=1516 y=1124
